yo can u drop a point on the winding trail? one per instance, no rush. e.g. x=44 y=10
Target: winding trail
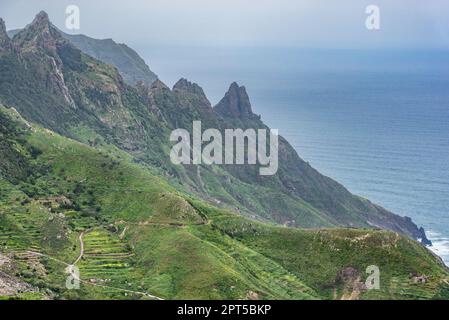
x=81 y=248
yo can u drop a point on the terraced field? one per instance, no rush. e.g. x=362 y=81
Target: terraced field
x=106 y=265
x=20 y=230
x=105 y=259
x=270 y=276
x=412 y=290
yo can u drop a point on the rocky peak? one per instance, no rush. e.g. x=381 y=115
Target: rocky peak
x=235 y=103
x=3 y=32
x=5 y=42
x=39 y=33
x=147 y=93
x=41 y=19
x=41 y=24
x=192 y=92
x=187 y=86
x=40 y=44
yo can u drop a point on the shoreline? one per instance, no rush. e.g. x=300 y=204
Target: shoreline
x=440 y=246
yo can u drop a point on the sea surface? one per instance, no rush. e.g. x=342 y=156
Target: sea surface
x=375 y=121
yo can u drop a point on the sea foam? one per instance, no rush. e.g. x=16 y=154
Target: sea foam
x=440 y=245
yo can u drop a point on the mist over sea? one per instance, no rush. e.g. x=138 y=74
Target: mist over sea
x=375 y=121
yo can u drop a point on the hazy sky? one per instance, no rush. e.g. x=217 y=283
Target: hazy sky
x=293 y=23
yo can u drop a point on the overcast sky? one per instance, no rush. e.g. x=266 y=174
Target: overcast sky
x=292 y=23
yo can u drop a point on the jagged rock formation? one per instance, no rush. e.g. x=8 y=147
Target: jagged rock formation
x=185 y=86
x=5 y=42
x=40 y=34
x=235 y=103
x=38 y=50
x=192 y=94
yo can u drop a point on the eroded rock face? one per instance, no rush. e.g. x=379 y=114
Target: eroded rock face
x=40 y=42
x=158 y=85
x=191 y=95
x=39 y=34
x=9 y=285
x=350 y=279
x=4 y=261
x=5 y=42
x=235 y=103
x=183 y=85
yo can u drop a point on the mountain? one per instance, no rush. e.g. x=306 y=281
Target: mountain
x=86 y=156
x=52 y=83
x=5 y=42
x=235 y=103
x=130 y=65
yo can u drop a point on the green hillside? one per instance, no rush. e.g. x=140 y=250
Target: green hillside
x=142 y=238
x=86 y=182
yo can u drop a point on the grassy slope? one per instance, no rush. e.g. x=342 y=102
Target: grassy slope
x=323 y=253
x=144 y=236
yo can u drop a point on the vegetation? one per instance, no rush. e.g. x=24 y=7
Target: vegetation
x=142 y=237
x=54 y=84
x=85 y=182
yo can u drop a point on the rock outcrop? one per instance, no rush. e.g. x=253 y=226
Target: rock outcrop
x=5 y=42
x=235 y=104
x=39 y=34
x=41 y=43
x=183 y=85
x=190 y=93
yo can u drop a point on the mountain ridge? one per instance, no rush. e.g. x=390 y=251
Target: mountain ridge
x=96 y=175
x=131 y=66
x=94 y=97
x=235 y=103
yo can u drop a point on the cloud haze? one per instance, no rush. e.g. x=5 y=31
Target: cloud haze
x=306 y=23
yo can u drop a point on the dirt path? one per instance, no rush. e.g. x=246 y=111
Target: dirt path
x=81 y=248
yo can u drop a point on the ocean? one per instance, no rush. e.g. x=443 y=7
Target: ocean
x=376 y=121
